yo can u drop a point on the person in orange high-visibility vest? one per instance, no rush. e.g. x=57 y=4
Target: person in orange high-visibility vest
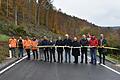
x=12 y=45
x=34 y=48
x=27 y=46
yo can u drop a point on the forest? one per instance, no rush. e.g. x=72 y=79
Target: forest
x=35 y=17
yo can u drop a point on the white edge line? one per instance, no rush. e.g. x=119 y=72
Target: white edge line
x=113 y=70
x=110 y=69
x=2 y=71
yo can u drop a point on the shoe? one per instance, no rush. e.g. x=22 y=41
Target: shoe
x=91 y=62
x=65 y=61
x=45 y=61
x=104 y=63
x=81 y=62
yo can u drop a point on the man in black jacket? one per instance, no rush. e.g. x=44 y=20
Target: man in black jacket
x=67 y=42
x=83 y=43
x=59 y=42
x=75 y=51
x=20 y=47
x=45 y=42
x=52 y=50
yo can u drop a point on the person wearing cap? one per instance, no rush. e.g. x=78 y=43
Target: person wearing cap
x=93 y=43
x=12 y=46
x=20 y=47
x=83 y=43
x=45 y=42
x=102 y=42
x=59 y=42
x=52 y=50
x=67 y=42
x=27 y=46
x=34 y=48
x=75 y=51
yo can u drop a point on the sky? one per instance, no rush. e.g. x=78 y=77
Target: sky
x=99 y=12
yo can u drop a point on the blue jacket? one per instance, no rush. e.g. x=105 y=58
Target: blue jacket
x=59 y=43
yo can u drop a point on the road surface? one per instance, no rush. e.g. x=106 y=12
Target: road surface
x=37 y=70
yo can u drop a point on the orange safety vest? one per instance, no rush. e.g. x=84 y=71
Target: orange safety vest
x=34 y=45
x=27 y=44
x=12 y=43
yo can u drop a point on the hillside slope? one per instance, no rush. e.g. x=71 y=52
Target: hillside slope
x=26 y=17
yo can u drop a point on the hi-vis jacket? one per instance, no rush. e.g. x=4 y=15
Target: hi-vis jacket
x=34 y=45
x=27 y=44
x=12 y=43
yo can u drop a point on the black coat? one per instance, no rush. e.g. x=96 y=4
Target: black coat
x=52 y=44
x=20 y=44
x=59 y=43
x=75 y=51
x=84 y=42
x=45 y=43
x=67 y=42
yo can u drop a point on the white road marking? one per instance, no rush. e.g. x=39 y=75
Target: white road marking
x=7 y=68
x=111 y=69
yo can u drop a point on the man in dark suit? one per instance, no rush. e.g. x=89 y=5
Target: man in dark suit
x=59 y=42
x=67 y=42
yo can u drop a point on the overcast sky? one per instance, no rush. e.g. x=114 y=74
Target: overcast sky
x=100 y=12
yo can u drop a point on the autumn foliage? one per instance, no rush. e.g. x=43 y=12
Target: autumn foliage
x=45 y=14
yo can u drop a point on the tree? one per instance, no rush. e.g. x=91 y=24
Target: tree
x=15 y=11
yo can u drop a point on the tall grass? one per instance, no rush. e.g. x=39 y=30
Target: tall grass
x=4 y=37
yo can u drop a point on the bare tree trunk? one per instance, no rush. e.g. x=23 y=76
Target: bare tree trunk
x=16 y=17
x=30 y=10
x=35 y=13
x=7 y=8
x=0 y=6
x=0 y=3
x=47 y=16
x=38 y=14
x=15 y=11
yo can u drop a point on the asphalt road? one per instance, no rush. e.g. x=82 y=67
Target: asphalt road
x=36 y=70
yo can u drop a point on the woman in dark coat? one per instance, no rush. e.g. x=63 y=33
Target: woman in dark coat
x=75 y=51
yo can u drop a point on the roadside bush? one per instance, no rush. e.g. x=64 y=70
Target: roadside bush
x=3 y=53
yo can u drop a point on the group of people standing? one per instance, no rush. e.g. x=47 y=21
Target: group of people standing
x=70 y=47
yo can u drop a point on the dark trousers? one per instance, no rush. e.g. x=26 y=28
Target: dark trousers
x=28 y=53
x=20 y=55
x=13 y=51
x=60 y=56
x=93 y=52
x=83 y=53
x=41 y=53
x=46 y=55
x=76 y=59
x=35 y=54
x=67 y=55
x=52 y=55
x=101 y=55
